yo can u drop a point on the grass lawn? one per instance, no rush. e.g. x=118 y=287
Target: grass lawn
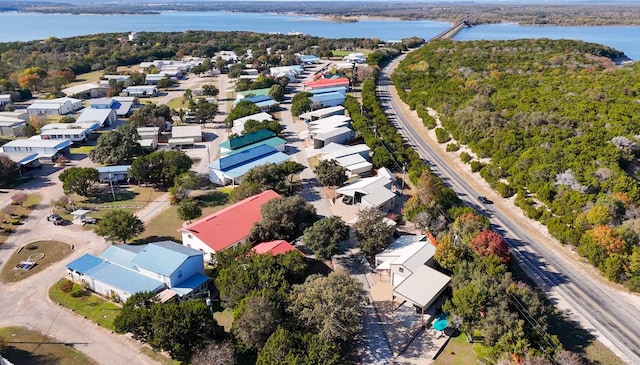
x=457 y=352
x=86 y=304
x=165 y=225
x=53 y=251
x=82 y=150
x=86 y=78
x=12 y=216
x=25 y=346
x=176 y=103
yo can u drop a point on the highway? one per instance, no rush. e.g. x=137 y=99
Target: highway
x=603 y=307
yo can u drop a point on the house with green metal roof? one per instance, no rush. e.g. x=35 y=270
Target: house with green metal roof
x=247 y=141
x=167 y=268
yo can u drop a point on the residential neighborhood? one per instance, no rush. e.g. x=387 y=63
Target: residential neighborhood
x=257 y=207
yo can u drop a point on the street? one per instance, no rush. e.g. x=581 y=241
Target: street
x=608 y=310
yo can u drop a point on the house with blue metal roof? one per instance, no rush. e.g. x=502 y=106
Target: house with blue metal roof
x=326 y=100
x=230 y=169
x=167 y=268
x=340 y=89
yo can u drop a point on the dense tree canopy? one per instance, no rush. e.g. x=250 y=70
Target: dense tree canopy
x=160 y=167
x=330 y=173
x=8 y=169
x=118 y=146
x=373 y=233
x=324 y=235
x=553 y=120
x=283 y=219
x=79 y=180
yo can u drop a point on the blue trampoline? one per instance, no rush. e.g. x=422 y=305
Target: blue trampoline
x=441 y=323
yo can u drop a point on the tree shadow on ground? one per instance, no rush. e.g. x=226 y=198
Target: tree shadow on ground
x=18 y=356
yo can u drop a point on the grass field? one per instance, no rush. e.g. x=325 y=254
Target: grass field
x=457 y=352
x=158 y=356
x=25 y=346
x=53 y=251
x=85 y=304
x=87 y=77
x=84 y=150
x=175 y=103
x=165 y=225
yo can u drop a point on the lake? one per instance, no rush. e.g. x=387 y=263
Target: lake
x=31 y=26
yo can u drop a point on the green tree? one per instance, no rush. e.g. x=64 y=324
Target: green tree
x=189 y=209
x=8 y=169
x=182 y=328
x=308 y=304
x=151 y=115
x=251 y=126
x=276 y=92
x=210 y=90
x=467 y=303
x=119 y=225
x=119 y=146
x=300 y=103
x=255 y=319
x=136 y=317
x=372 y=231
x=264 y=275
x=79 y=180
x=324 y=235
x=330 y=173
x=241 y=109
x=206 y=111
x=160 y=167
x=283 y=218
x=183 y=184
x=267 y=177
x=449 y=254
x=280 y=348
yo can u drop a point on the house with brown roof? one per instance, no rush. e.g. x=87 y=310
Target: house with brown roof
x=226 y=228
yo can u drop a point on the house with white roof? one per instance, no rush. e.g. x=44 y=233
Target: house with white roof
x=167 y=268
x=115 y=173
x=371 y=192
x=48 y=150
x=326 y=100
x=324 y=136
x=104 y=117
x=185 y=135
x=121 y=104
x=12 y=127
x=77 y=134
x=408 y=264
x=238 y=124
x=148 y=137
x=322 y=113
x=355 y=159
x=5 y=100
x=87 y=90
x=141 y=91
x=355 y=57
x=59 y=106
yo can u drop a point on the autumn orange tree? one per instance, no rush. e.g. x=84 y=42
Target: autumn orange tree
x=488 y=243
x=607 y=237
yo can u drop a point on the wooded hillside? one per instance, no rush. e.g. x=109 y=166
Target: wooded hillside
x=556 y=122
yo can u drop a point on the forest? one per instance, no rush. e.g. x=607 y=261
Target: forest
x=530 y=14
x=553 y=122
x=49 y=62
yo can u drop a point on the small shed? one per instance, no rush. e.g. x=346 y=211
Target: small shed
x=12 y=128
x=80 y=215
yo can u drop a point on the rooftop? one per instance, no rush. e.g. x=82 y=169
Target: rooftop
x=93 y=115
x=423 y=286
x=186 y=131
x=271 y=142
x=232 y=224
x=164 y=257
x=274 y=247
x=41 y=143
x=318 y=98
x=247 y=139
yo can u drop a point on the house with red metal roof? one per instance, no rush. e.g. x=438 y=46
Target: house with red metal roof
x=226 y=228
x=322 y=83
x=274 y=247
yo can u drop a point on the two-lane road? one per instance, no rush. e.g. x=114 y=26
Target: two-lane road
x=603 y=307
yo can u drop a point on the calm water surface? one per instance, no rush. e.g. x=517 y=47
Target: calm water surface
x=31 y=26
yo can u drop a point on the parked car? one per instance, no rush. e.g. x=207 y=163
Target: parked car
x=484 y=200
x=56 y=219
x=89 y=220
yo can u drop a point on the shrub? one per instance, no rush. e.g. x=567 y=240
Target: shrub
x=66 y=286
x=8 y=230
x=476 y=165
x=453 y=147
x=505 y=190
x=15 y=222
x=77 y=291
x=465 y=157
x=633 y=284
x=442 y=135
